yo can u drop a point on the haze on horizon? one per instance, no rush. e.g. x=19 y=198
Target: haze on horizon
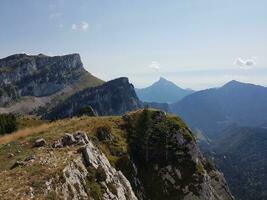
x=195 y=44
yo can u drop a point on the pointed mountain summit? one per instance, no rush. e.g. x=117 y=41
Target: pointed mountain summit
x=235 y=85
x=162 y=91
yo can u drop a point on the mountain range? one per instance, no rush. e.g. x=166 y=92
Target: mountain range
x=213 y=110
x=105 y=146
x=38 y=85
x=162 y=91
x=230 y=119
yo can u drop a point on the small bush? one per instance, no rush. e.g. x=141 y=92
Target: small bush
x=179 y=153
x=208 y=165
x=52 y=195
x=7 y=123
x=188 y=136
x=103 y=133
x=100 y=174
x=88 y=111
x=200 y=168
x=112 y=188
x=95 y=191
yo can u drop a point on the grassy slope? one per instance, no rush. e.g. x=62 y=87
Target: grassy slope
x=20 y=144
x=48 y=161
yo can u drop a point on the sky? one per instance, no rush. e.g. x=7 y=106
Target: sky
x=194 y=43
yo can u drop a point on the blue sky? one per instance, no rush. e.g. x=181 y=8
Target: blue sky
x=194 y=43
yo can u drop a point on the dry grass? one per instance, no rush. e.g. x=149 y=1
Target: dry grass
x=24 y=133
x=88 y=124
x=37 y=172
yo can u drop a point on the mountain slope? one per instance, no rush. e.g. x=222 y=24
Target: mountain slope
x=162 y=91
x=241 y=155
x=112 y=98
x=28 y=82
x=215 y=109
x=103 y=161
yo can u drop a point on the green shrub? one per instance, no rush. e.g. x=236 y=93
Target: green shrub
x=200 y=168
x=209 y=165
x=100 y=174
x=7 y=123
x=189 y=137
x=112 y=188
x=88 y=111
x=95 y=191
x=103 y=133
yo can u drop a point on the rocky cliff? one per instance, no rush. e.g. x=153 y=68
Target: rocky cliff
x=112 y=98
x=42 y=78
x=144 y=155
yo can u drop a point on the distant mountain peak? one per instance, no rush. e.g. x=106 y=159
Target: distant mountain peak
x=238 y=84
x=162 y=91
x=233 y=83
x=163 y=79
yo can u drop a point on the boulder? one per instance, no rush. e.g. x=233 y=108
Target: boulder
x=57 y=144
x=68 y=139
x=81 y=138
x=39 y=142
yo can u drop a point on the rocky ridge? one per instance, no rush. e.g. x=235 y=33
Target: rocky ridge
x=105 y=160
x=112 y=98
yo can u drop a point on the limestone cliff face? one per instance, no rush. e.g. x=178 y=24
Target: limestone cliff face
x=39 y=76
x=75 y=186
x=169 y=165
x=115 y=97
x=58 y=87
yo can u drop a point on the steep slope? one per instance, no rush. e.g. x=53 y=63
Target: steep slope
x=215 y=109
x=162 y=91
x=28 y=82
x=112 y=98
x=104 y=158
x=241 y=155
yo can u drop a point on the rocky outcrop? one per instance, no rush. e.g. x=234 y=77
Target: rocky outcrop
x=78 y=180
x=94 y=158
x=168 y=162
x=115 y=97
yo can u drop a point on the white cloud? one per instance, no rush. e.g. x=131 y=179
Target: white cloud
x=245 y=62
x=155 y=65
x=74 y=27
x=83 y=26
x=55 y=15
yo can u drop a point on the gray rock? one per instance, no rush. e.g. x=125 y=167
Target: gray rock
x=94 y=158
x=76 y=172
x=68 y=140
x=39 y=142
x=57 y=144
x=81 y=138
